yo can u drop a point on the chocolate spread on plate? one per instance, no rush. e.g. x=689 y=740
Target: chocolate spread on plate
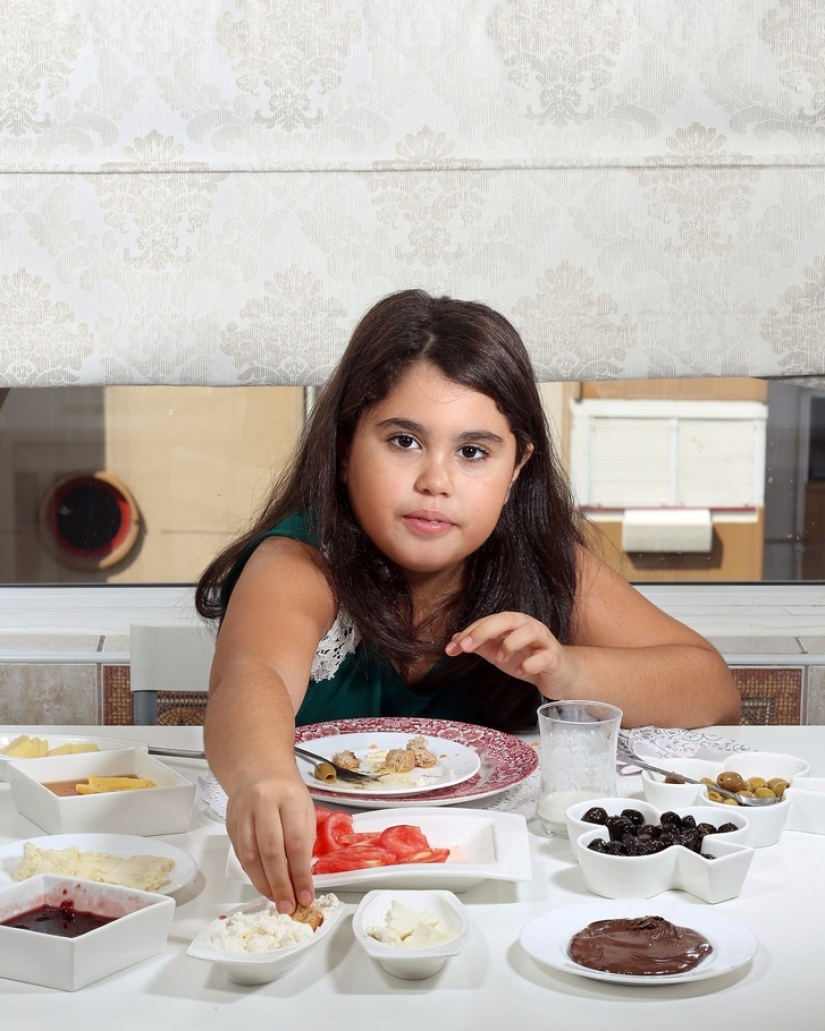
x=647 y=945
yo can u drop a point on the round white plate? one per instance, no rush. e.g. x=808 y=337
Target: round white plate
x=63 y=739
x=504 y=760
x=124 y=845
x=546 y=938
x=456 y=763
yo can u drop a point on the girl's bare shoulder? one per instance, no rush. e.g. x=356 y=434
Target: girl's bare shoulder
x=284 y=580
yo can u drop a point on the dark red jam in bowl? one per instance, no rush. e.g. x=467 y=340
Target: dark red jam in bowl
x=64 y=920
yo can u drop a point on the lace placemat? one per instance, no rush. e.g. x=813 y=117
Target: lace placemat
x=519 y=799
x=670 y=742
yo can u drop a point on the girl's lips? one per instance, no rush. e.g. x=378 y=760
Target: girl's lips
x=429 y=524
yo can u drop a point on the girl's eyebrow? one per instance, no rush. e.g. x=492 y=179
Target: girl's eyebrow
x=468 y=436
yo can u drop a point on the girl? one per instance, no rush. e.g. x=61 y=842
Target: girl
x=421 y=557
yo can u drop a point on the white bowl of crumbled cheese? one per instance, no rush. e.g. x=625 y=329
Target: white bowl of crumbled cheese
x=254 y=943
x=411 y=934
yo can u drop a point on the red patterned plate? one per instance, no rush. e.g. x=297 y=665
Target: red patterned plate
x=505 y=760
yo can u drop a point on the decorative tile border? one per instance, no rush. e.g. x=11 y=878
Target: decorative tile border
x=770 y=695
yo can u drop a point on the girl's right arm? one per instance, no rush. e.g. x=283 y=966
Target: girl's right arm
x=279 y=610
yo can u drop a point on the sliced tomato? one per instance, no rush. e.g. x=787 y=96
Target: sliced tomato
x=429 y=855
x=353 y=857
x=321 y=814
x=360 y=838
x=403 y=839
x=330 y=833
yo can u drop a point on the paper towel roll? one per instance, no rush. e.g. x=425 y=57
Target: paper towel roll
x=667 y=529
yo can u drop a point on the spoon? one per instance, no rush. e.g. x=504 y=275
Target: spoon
x=743 y=800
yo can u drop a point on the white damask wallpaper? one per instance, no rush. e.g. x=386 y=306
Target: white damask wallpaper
x=213 y=191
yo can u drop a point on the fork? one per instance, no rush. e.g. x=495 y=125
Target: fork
x=341 y=773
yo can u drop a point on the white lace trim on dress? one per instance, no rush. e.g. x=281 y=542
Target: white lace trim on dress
x=339 y=641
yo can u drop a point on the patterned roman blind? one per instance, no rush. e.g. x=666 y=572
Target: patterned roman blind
x=214 y=191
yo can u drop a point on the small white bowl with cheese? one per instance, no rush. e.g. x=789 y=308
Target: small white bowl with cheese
x=411 y=934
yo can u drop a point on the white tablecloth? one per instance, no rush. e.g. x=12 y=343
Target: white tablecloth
x=493 y=984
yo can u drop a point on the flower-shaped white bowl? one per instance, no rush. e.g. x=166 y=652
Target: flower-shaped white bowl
x=577 y=825
x=766 y=823
x=165 y=809
x=713 y=880
x=262 y=967
x=411 y=964
x=138 y=929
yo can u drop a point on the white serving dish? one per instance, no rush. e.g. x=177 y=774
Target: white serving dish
x=766 y=822
x=139 y=932
x=123 y=845
x=547 y=939
x=484 y=845
x=409 y=963
x=165 y=809
x=642 y=877
x=577 y=826
x=806 y=799
x=56 y=740
x=259 y=967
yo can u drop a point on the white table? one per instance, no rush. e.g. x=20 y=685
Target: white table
x=493 y=984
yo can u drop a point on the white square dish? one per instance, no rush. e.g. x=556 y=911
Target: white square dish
x=63 y=740
x=164 y=809
x=806 y=798
x=411 y=964
x=138 y=929
x=483 y=846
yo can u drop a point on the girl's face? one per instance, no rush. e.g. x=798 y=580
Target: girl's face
x=428 y=472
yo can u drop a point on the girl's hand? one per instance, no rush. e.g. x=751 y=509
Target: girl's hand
x=522 y=647
x=271 y=824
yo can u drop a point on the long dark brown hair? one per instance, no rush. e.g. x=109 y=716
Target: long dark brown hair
x=528 y=564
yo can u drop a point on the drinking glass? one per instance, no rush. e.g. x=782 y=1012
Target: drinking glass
x=577 y=757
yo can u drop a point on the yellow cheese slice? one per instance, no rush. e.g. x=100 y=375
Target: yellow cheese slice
x=98 y=785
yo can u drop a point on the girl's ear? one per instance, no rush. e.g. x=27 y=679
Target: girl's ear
x=525 y=458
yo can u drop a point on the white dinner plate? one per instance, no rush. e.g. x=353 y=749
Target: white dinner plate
x=456 y=763
x=483 y=846
x=63 y=739
x=504 y=760
x=546 y=938
x=124 y=845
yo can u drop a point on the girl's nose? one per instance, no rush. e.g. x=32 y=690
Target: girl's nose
x=434 y=476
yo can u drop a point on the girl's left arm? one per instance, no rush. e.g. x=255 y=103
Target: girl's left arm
x=625 y=651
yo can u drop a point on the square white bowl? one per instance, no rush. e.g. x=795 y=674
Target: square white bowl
x=806 y=798
x=766 y=823
x=411 y=964
x=484 y=845
x=56 y=740
x=165 y=809
x=260 y=967
x=138 y=932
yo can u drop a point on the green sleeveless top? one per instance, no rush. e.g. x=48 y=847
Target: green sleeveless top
x=348 y=681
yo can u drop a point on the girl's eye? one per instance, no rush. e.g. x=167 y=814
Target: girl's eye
x=472 y=452
x=404 y=441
